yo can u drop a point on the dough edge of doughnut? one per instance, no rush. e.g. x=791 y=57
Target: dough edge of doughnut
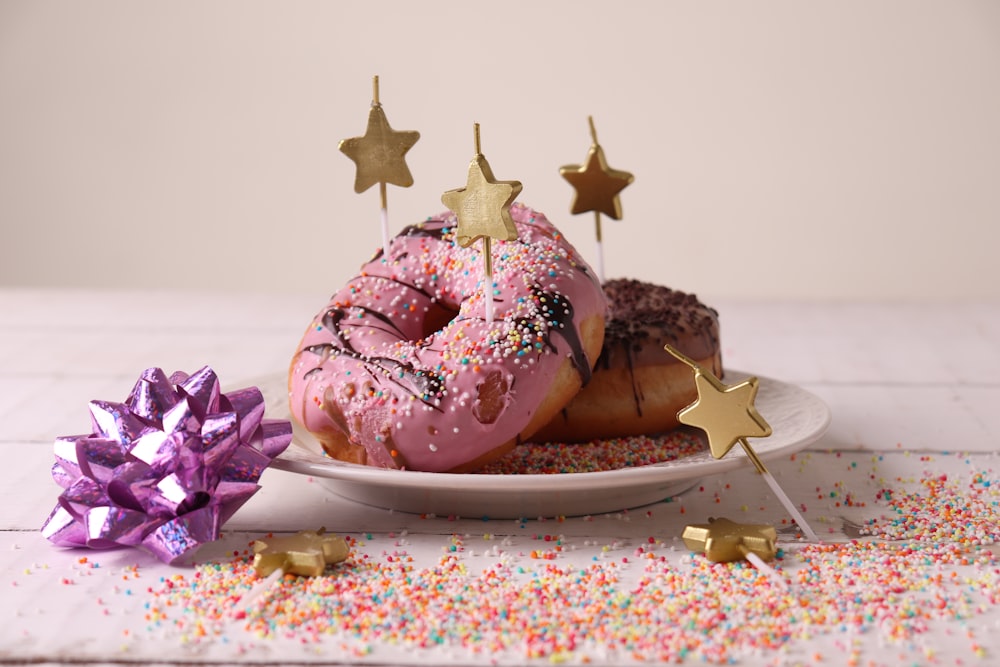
x=607 y=407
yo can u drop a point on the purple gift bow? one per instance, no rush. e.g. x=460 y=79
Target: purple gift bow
x=166 y=468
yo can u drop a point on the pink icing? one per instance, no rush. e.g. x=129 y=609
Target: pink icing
x=408 y=390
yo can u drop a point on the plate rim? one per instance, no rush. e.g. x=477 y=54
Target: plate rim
x=697 y=465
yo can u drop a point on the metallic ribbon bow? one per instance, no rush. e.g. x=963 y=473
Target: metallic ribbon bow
x=166 y=468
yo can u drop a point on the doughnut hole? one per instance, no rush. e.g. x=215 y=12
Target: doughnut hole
x=438 y=316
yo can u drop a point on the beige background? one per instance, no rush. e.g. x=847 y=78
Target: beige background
x=832 y=150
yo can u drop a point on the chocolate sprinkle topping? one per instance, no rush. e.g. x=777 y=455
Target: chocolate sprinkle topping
x=639 y=311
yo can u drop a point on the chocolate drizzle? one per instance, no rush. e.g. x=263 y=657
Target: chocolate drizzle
x=558 y=311
x=374 y=314
x=421 y=384
x=432 y=229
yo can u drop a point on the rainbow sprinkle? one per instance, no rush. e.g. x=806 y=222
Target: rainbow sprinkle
x=691 y=608
x=597 y=455
x=549 y=598
x=967 y=512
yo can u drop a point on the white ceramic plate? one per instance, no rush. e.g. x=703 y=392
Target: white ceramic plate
x=797 y=417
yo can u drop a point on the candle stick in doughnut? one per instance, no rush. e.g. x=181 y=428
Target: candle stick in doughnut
x=597 y=186
x=727 y=415
x=483 y=210
x=379 y=156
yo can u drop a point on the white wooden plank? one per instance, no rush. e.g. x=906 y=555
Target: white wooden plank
x=84 y=605
x=864 y=343
x=920 y=418
x=167 y=310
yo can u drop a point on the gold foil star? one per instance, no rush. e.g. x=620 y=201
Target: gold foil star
x=597 y=185
x=725 y=412
x=305 y=553
x=379 y=154
x=483 y=205
x=723 y=541
x=727 y=415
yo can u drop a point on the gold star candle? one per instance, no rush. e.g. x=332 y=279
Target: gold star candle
x=725 y=541
x=306 y=553
x=727 y=415
x=483 y=211
x=379 y=157
x=597 y=187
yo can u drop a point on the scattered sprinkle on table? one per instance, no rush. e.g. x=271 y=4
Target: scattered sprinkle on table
x=927 y=561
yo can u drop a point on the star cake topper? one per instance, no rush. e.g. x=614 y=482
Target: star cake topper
x=483 y=205
x=306 y=553
x=726 y=413
x=379 y=155
x=724 y=541
x=483 y=211
x=597 y=185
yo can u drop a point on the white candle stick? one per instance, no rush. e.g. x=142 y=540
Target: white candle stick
x=251 y=596
x=384 y=214
x=789 y=506
x=764 y=568
x=600 y=237
x=488 y=280
x=782 y=496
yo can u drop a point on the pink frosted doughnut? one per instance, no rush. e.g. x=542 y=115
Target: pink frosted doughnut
x=400 y=370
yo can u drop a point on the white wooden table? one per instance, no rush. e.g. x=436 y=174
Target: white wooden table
x=913 y=389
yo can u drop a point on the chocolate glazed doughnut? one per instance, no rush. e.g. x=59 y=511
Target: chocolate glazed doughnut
x=637 y=387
